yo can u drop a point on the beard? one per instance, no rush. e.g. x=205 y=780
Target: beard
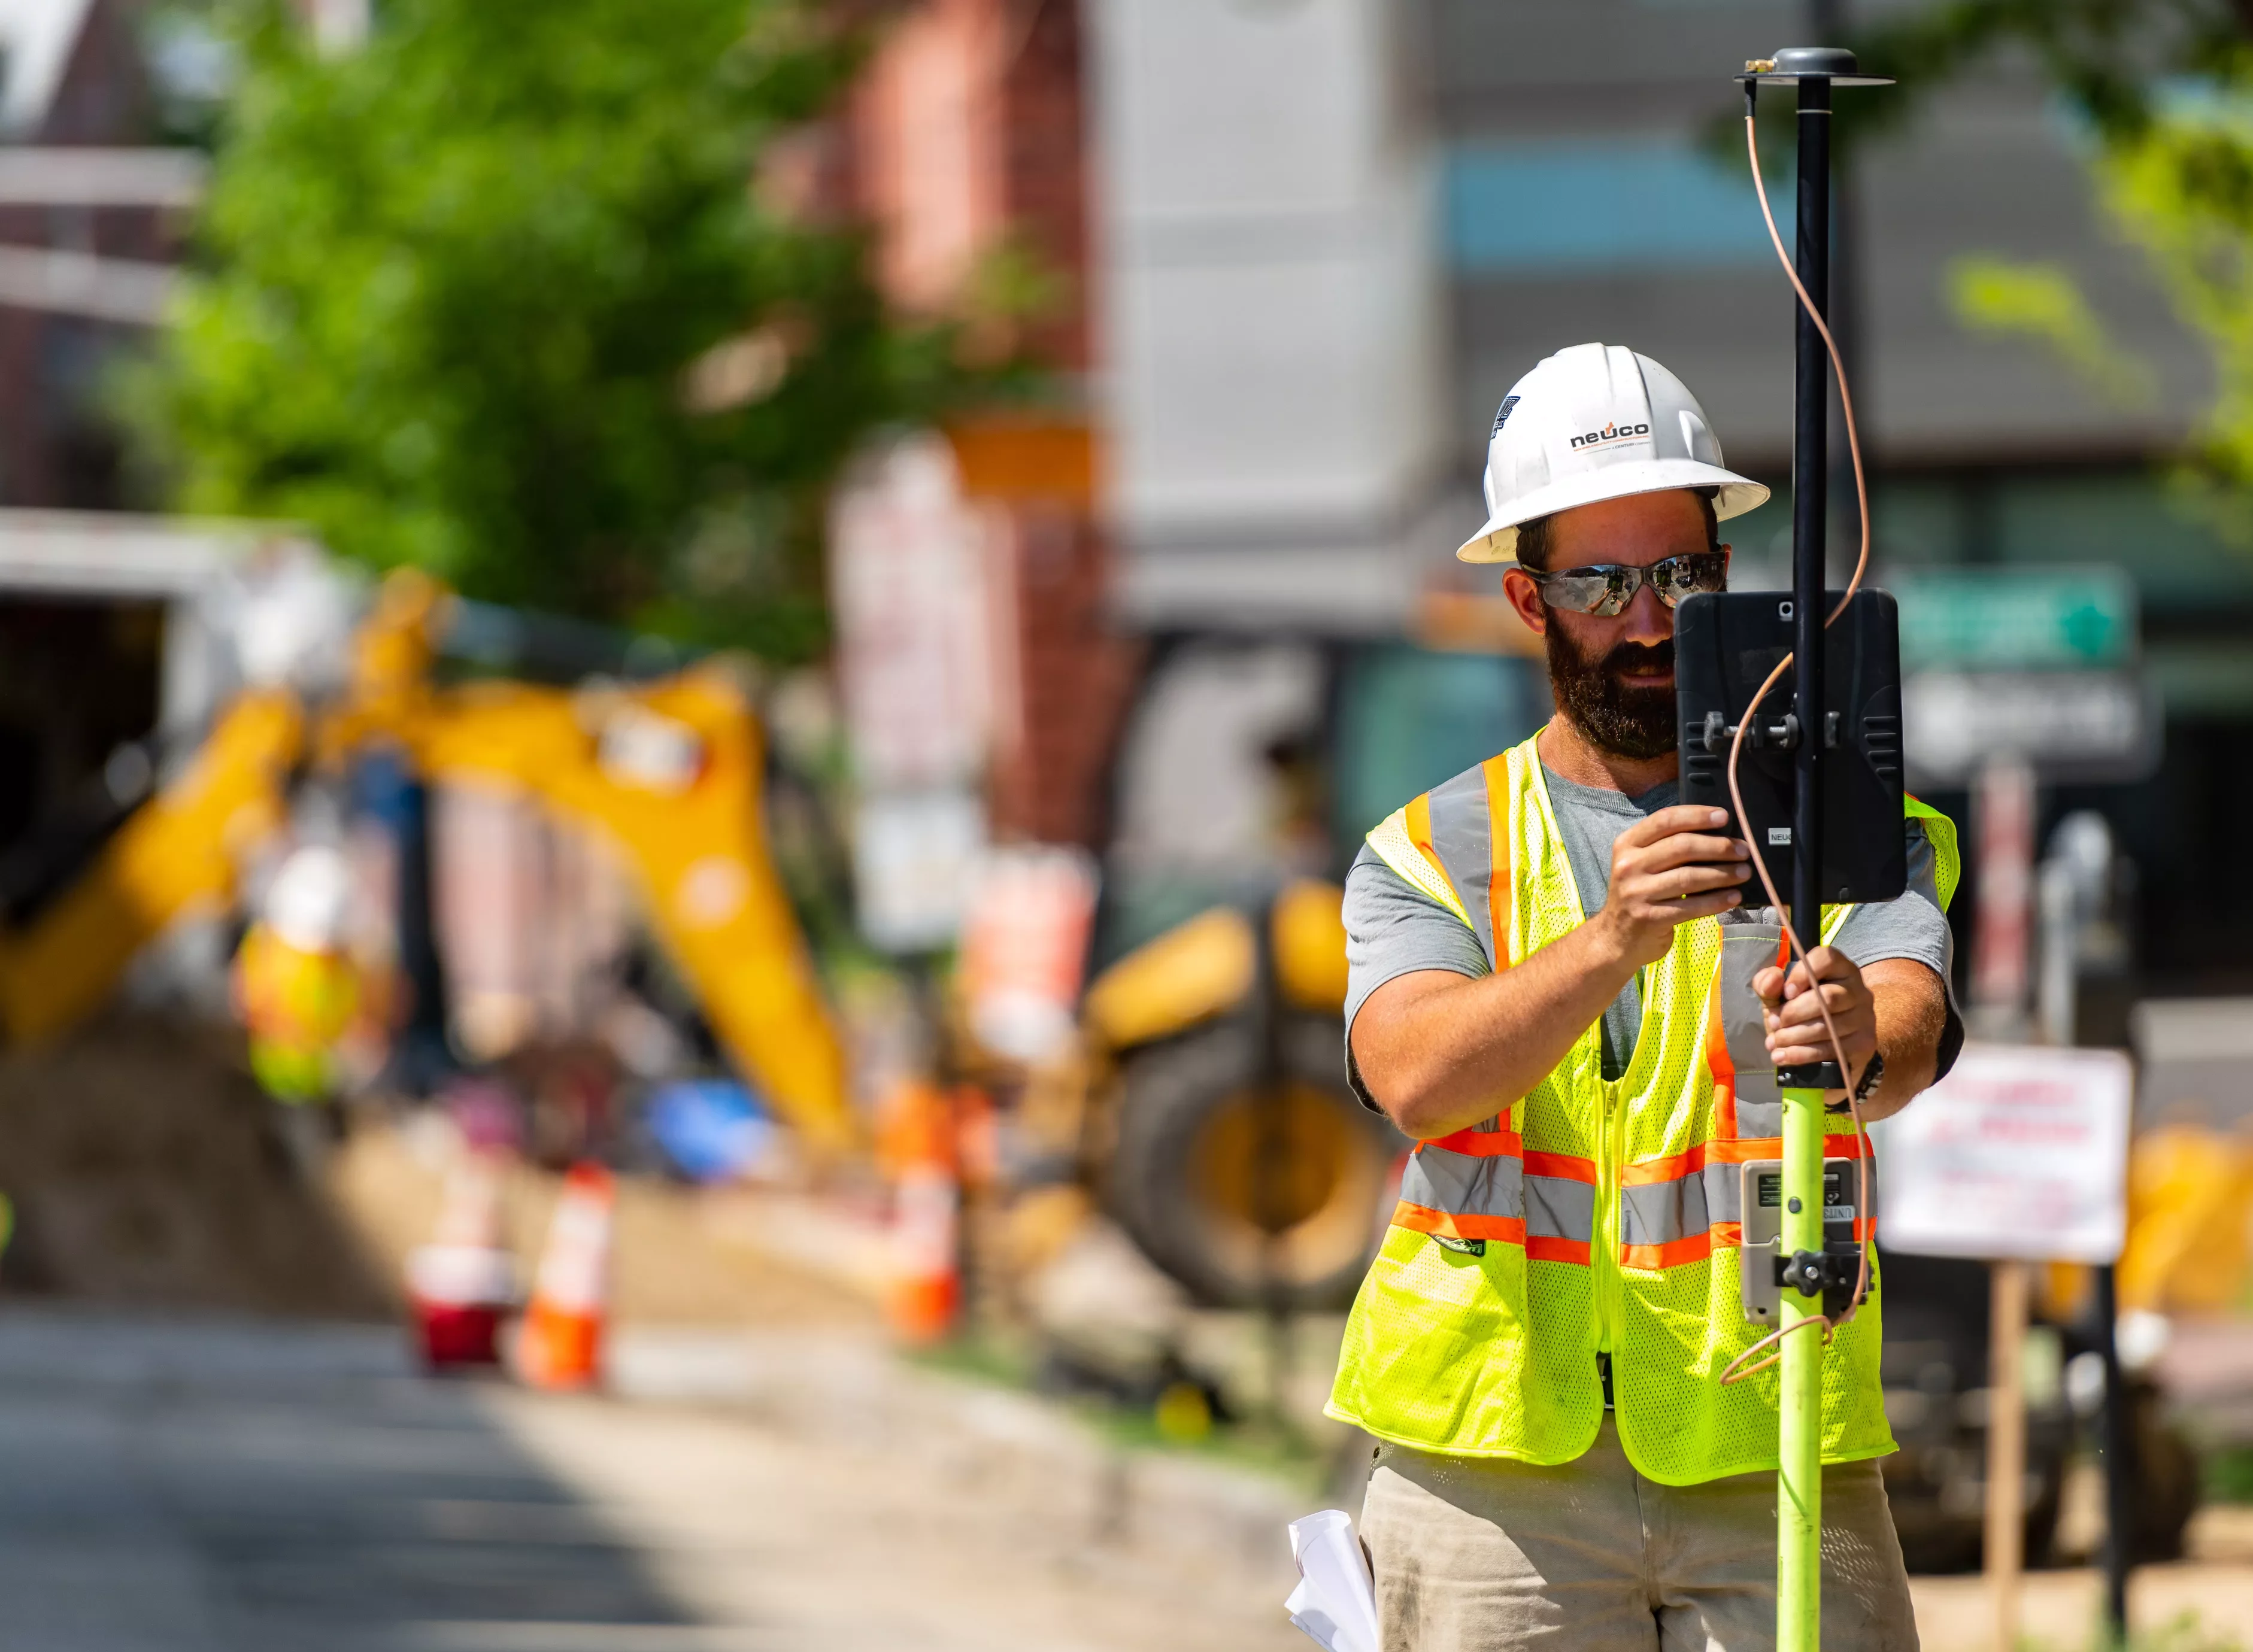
x=1625 y=718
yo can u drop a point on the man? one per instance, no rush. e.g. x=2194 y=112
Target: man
x=1564 y=987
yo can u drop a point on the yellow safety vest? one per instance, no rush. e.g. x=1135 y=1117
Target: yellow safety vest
x=1591 y=1215
x=297 y=1007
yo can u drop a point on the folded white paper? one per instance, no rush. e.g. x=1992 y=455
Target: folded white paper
x=1336 y=1601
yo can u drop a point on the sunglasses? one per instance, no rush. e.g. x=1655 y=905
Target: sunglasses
x=1604 y=588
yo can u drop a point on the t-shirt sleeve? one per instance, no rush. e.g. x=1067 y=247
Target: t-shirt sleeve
x=1912 y=926
x=1394 y=929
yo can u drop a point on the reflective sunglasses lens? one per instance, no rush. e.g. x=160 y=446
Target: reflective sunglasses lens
x=1680 y=576
x=1573 y=594
x=1583 y=593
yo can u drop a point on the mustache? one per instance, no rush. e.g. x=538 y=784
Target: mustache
x=1637 y=656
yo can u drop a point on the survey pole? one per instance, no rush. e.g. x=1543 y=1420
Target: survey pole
x=1803 y=1271
x=1799 y=1500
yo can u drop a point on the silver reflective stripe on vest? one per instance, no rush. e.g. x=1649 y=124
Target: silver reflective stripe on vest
x=1748 y=946
x=1560 y=1207
x=1725 y=1190
x=1661 y=1212
x=1462 y=1184
x=1462 y=836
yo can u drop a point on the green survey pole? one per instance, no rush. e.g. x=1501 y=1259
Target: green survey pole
x=1799 y=1483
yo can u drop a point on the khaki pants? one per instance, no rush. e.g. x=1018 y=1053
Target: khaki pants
x=1475 y=1555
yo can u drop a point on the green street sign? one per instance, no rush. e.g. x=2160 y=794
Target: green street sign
x=2060 y=618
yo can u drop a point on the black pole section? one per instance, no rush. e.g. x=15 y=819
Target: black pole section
x=1811 y=407
x=1827 y=20
x=2119 y=1465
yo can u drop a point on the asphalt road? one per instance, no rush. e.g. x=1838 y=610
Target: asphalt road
x=227 y=1486
x=202 y=1485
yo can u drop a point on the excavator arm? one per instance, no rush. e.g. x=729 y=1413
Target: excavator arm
x=669 y=773
x=176 y=854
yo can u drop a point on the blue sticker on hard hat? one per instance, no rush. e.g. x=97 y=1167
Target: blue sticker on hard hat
x=1501 y=417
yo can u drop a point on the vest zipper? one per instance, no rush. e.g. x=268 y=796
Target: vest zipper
x=1604 y=1246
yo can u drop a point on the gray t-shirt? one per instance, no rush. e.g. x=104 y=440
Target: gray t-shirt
x=1393 y=929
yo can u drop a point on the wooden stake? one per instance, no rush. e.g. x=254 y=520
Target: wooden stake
x=2006 y=1449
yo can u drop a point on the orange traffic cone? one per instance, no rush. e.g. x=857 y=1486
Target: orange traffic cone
x=918 y=1144
x=460 y=1284
x=561 y=1344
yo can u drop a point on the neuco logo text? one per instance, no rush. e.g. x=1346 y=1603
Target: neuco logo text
x=1610 y=433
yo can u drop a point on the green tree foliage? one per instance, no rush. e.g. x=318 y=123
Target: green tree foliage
x=2166 y=89
x=2041 y=301
x=495 y=295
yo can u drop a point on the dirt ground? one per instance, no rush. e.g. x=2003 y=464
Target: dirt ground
x=676 y=1259
x=145 y=1167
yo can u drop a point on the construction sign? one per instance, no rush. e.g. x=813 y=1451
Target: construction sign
x=2020 y=1151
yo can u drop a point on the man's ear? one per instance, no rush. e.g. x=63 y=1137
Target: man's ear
x=1518 y=588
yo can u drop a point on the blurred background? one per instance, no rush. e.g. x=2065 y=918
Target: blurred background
x=683 y=687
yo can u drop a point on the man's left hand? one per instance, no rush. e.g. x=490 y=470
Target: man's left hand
x=1797 y=1036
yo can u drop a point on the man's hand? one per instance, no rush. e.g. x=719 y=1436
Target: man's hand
x=1797 y=1036
x=1659 y=880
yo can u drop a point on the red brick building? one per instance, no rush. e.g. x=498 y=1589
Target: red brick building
x=967 y=147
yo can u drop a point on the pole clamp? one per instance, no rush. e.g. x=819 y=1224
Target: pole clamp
x=1830 y=1274
x=1780 y=733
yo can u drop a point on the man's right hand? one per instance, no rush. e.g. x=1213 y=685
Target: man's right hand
x=1668 y=868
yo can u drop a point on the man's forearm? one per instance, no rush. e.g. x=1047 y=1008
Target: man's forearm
x=1441 y=1052
x=1912 y=1014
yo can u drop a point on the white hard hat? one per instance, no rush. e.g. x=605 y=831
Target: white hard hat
x=1596 y=422
x=308 y=901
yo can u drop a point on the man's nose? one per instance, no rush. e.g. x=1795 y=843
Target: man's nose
x=1646 y=620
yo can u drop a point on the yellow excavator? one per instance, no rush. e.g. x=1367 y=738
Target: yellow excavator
x=669 y=771
x=1209 y=1109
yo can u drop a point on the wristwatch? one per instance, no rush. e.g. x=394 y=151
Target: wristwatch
x=1872 y=1075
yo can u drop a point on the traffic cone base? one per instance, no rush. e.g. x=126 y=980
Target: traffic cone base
x=461 y=1285
x=561 y=1343
x=926 y=1284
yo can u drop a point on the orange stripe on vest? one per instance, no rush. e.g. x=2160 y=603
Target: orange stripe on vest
x=1451 y=1224
x=1497 y=883
x=1480 y=1144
